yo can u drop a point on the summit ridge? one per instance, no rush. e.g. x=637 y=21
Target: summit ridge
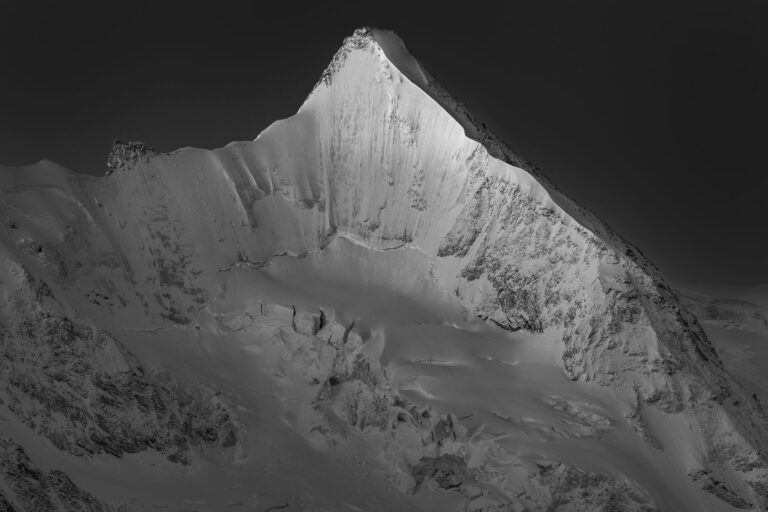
x=374 y=305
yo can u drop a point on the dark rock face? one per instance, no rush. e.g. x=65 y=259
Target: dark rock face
x=127 y=154
x=80 y=388
x=711 y=484
x=24 y=488
x=578 y=490
x=468 y=227
x=518 y=296
x=522 y=248
x=448 y=471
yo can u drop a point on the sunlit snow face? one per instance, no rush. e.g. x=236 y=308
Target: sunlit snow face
x=365 y=307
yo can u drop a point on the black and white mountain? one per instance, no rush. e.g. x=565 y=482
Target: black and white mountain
x=373 y=306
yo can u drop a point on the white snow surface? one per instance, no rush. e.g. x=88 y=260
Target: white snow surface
x=374 y=290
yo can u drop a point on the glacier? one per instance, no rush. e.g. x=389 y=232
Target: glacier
x=374 y=305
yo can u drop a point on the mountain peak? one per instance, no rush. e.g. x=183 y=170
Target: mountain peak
x=392 y=48
x=395 y=51
x=360 y=39
x=373 y=272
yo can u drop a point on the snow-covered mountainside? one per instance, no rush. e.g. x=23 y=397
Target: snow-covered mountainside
x=375 y=305
x=736 y=320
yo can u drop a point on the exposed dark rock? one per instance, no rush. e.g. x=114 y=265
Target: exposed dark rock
x=582 y=491
x=31 y=490
x=448 y=471
x=708 y=482
x=126 y=154
x=518 y=297
x=443 y=430
x=80 y=388
x=468 y=226
x=638 y=424
x=5 y=505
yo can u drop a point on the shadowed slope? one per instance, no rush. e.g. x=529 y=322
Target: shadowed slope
x=383 y=182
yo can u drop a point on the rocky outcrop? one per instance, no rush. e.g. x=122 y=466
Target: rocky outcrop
x=712 y=485
x=447 y=471
x=581 y=491
x=127 y=154
x=25 y=488
x=80 y=388
x=372 y=157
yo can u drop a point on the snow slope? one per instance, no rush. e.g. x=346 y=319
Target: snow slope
x=736 y=320
x=374 y=305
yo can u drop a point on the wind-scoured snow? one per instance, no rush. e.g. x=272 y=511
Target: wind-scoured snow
x=374 y=305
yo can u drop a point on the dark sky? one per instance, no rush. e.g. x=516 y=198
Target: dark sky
x=652 y=114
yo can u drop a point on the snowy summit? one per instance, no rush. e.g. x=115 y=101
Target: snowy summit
x=374 y=305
